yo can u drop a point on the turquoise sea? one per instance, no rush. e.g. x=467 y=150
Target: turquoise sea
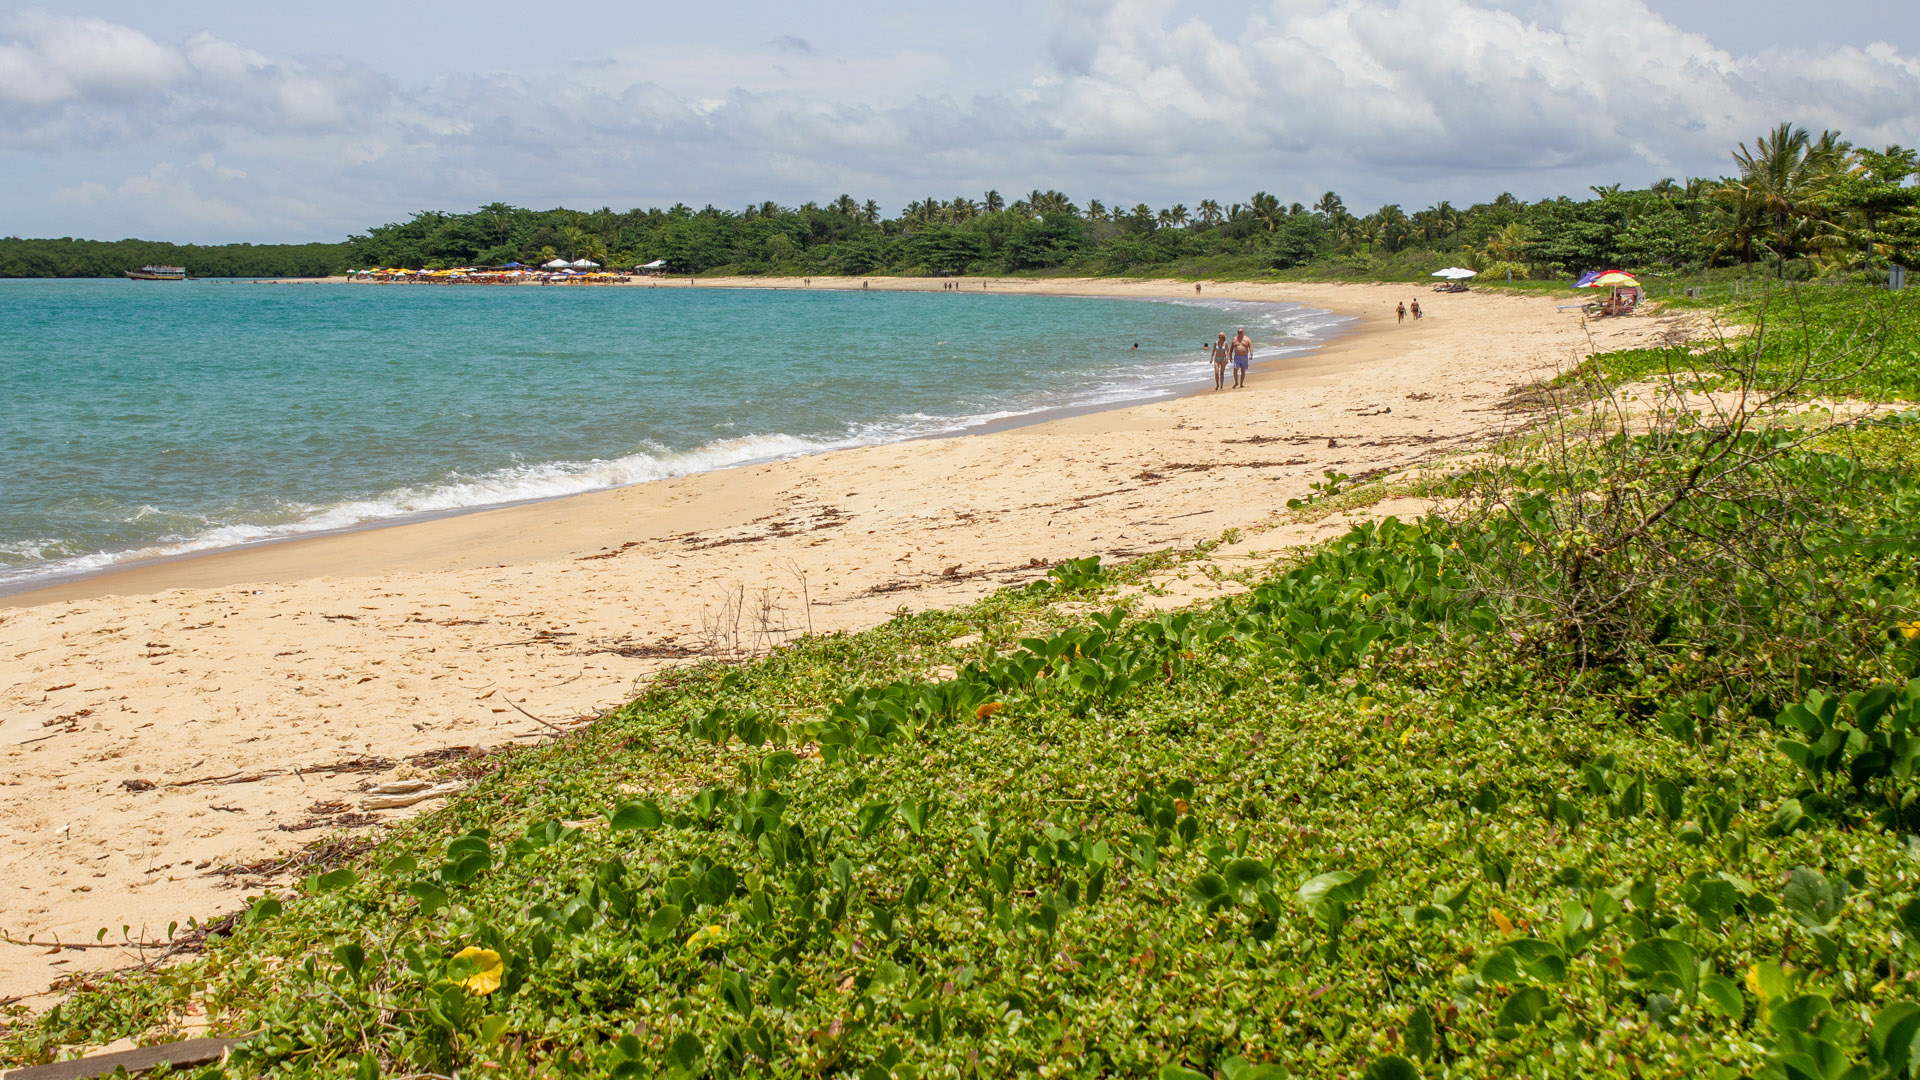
x=152 y=418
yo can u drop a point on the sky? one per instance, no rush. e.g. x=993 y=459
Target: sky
x=226 y=121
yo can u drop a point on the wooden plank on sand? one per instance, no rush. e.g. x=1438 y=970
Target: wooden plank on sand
x=138 y=1060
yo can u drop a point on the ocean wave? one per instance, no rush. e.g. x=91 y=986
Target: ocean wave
x=37 y=561
x=503 y=487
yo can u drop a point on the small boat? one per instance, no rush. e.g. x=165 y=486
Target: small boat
x=159 y=273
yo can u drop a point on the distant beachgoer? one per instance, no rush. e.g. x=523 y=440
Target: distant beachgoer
x=1242 y=352
x=1196 y=288
x=1219 y=350
x=1403 y=312
x=1416 y=309
x=863 y=284
x=1136 y=346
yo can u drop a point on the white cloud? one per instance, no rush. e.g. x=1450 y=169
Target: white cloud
x=46 y=59
x=1402 y=100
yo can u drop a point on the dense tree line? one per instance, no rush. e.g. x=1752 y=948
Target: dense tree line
x=69 y=258
x=1800 y=205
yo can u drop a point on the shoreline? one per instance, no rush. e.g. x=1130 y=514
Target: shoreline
x=216 y=710
x=73 y=584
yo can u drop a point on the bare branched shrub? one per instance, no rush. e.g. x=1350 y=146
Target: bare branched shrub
x=1663 y=523
x=744 y=624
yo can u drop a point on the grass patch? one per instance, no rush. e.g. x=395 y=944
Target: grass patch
x=1839 y=340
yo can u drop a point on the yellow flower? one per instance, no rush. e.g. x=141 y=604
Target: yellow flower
x=705 y=936
x=1500 y=920
x=988 y=709
x=1910 y=629
x=487 y=969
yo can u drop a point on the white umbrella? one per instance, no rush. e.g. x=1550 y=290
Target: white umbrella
x=1455 y=273
x=654 y=265
x=557 y=264
x=584 y=264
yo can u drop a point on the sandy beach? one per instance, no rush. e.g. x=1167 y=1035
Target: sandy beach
x=173 y=718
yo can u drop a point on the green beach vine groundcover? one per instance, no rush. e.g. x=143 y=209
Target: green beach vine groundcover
x=1372 y=818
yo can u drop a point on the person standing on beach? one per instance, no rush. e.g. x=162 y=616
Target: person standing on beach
x=1220 y=361
x=1403 y=312
x=1416 y=310
x=1242 y=351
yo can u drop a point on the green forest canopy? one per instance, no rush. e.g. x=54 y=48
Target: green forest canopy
x=1800 y=205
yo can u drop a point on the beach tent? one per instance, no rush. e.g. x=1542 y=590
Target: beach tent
x=1456 y=273
x=557 y=264
x=584 y=264
x=514 y=265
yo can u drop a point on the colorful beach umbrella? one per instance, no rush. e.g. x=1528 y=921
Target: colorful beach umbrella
x=1615 y=279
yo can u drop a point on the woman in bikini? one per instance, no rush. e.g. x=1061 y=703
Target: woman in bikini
x=1220 y=361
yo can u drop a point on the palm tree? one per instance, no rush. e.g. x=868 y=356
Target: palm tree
x=994 y=202
x=1425 y=222
x=1393 y=224
x=846 y=207
x=1096 y=210
x=1209 y=213
x=1050 y=202
x=1786 y=172
x=1177 y=215
x=1266 y=210
x=1330 y=206
x=1346 y=227
x=1739 y=221
x=1368 y=230
x=870 y=212
x=1509 y=244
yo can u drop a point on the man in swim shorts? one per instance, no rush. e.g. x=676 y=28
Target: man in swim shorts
x=1242 y=350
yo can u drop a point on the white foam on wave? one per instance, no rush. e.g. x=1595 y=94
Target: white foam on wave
x=502 y=487
x=1304 y=328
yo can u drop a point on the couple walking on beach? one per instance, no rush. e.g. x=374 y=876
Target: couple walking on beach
x=1238 y=352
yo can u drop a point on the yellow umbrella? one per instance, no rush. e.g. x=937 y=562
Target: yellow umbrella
x=1618 y=278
